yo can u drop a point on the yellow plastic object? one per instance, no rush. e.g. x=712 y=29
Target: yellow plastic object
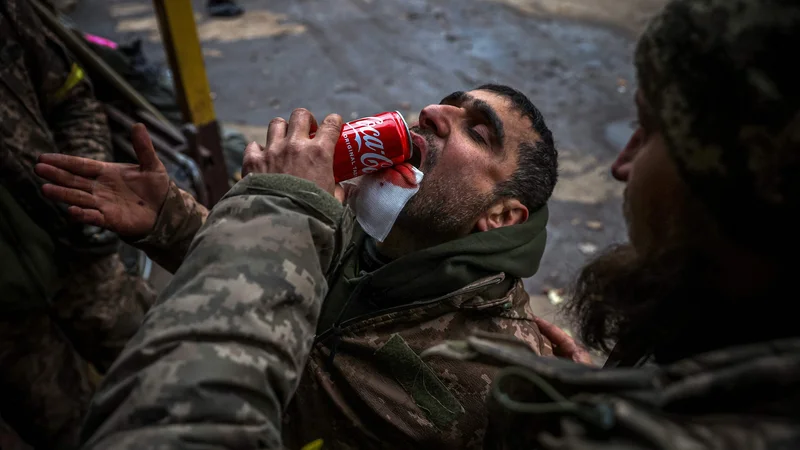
x=313 y=445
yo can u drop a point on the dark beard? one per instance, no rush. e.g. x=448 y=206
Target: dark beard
x=441 y=211
x=640 y=302
x=666 y=305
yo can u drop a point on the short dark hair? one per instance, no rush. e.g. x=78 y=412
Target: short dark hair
x=537 y=172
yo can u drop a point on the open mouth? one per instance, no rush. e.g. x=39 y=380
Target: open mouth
x=419 y=149
x=416 y=157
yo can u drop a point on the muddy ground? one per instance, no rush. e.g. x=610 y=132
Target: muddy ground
x=357 y=57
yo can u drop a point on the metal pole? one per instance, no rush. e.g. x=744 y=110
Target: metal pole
x=182 y=45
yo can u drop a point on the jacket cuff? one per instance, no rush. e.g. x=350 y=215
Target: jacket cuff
x=297 y=189
x=171 y=216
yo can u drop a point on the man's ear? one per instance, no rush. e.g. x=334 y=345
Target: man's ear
x=504 y=213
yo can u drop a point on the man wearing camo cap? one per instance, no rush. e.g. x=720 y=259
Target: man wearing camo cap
x=701 y=298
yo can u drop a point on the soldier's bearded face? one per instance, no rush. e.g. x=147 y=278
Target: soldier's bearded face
x=468 y=144
x=665 y=262
x=656 y=200
x=446 y=206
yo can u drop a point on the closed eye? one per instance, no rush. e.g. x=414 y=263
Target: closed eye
x=477 y=133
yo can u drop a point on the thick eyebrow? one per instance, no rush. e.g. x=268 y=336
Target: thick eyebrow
x=480 y=107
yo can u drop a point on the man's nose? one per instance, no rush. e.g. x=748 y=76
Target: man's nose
x=621 y=168
x=438 y=118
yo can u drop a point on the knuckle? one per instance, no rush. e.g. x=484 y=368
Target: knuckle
x=271 y=151
x=296 y=147
x=300 y=112
x=277 y=121
x=333 y=120
x=250 y=160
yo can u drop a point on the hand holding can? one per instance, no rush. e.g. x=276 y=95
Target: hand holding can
x=292 y=149
x=370 y=144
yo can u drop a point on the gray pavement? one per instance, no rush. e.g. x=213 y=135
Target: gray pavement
x=357 y=57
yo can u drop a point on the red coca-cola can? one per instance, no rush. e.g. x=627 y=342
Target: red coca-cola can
x=370 y=144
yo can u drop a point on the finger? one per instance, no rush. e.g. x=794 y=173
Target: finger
x=330 y=130
x=276 y=131
x=87 y=216
x=253 y=159
x=62 y=177
x=556 y=335
x=338 y=192
x=143 y=146
x=84 y=167
x=583 y=357
x=300 y=124
x=69 y=196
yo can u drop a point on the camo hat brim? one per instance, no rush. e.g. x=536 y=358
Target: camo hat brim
x=721 y=82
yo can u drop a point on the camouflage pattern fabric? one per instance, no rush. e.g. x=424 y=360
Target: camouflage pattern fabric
x=100 y=307
x=45 y=384
x=710 y=67
x=365 y=385
x=378 y=393
x=48 y=354
x=220 y=355
x=179 y=220
x=363 y=399
x=46 y=105
x=736 y=398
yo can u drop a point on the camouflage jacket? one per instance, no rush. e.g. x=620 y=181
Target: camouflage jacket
x=46 y=106
x=375 y=392
x=365 y=385
x=179 y=220
x=220 y=354
x=738 y=398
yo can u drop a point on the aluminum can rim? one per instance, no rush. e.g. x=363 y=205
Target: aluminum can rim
x=408 y=135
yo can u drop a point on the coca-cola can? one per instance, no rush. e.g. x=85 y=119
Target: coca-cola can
x=370 y=144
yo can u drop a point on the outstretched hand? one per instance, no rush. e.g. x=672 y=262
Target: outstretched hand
x=124 y=198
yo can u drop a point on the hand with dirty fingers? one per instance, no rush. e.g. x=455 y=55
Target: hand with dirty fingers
x=124 y=198
x=291 y=151
x=564 y=346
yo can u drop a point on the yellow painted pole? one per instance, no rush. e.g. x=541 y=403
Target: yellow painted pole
x=182 y=45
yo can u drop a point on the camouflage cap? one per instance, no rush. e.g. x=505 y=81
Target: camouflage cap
x=719 y=79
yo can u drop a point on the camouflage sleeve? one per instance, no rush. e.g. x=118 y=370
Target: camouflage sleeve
x=73 y=114
x=48 y=108
x=179 y=220
x=219 y=356
x=732 y=399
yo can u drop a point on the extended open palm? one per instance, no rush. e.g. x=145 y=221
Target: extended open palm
x=124 y=198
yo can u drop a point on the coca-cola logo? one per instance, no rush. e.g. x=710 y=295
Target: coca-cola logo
x=373 y=162
x=368 y=138
x=366 y=134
